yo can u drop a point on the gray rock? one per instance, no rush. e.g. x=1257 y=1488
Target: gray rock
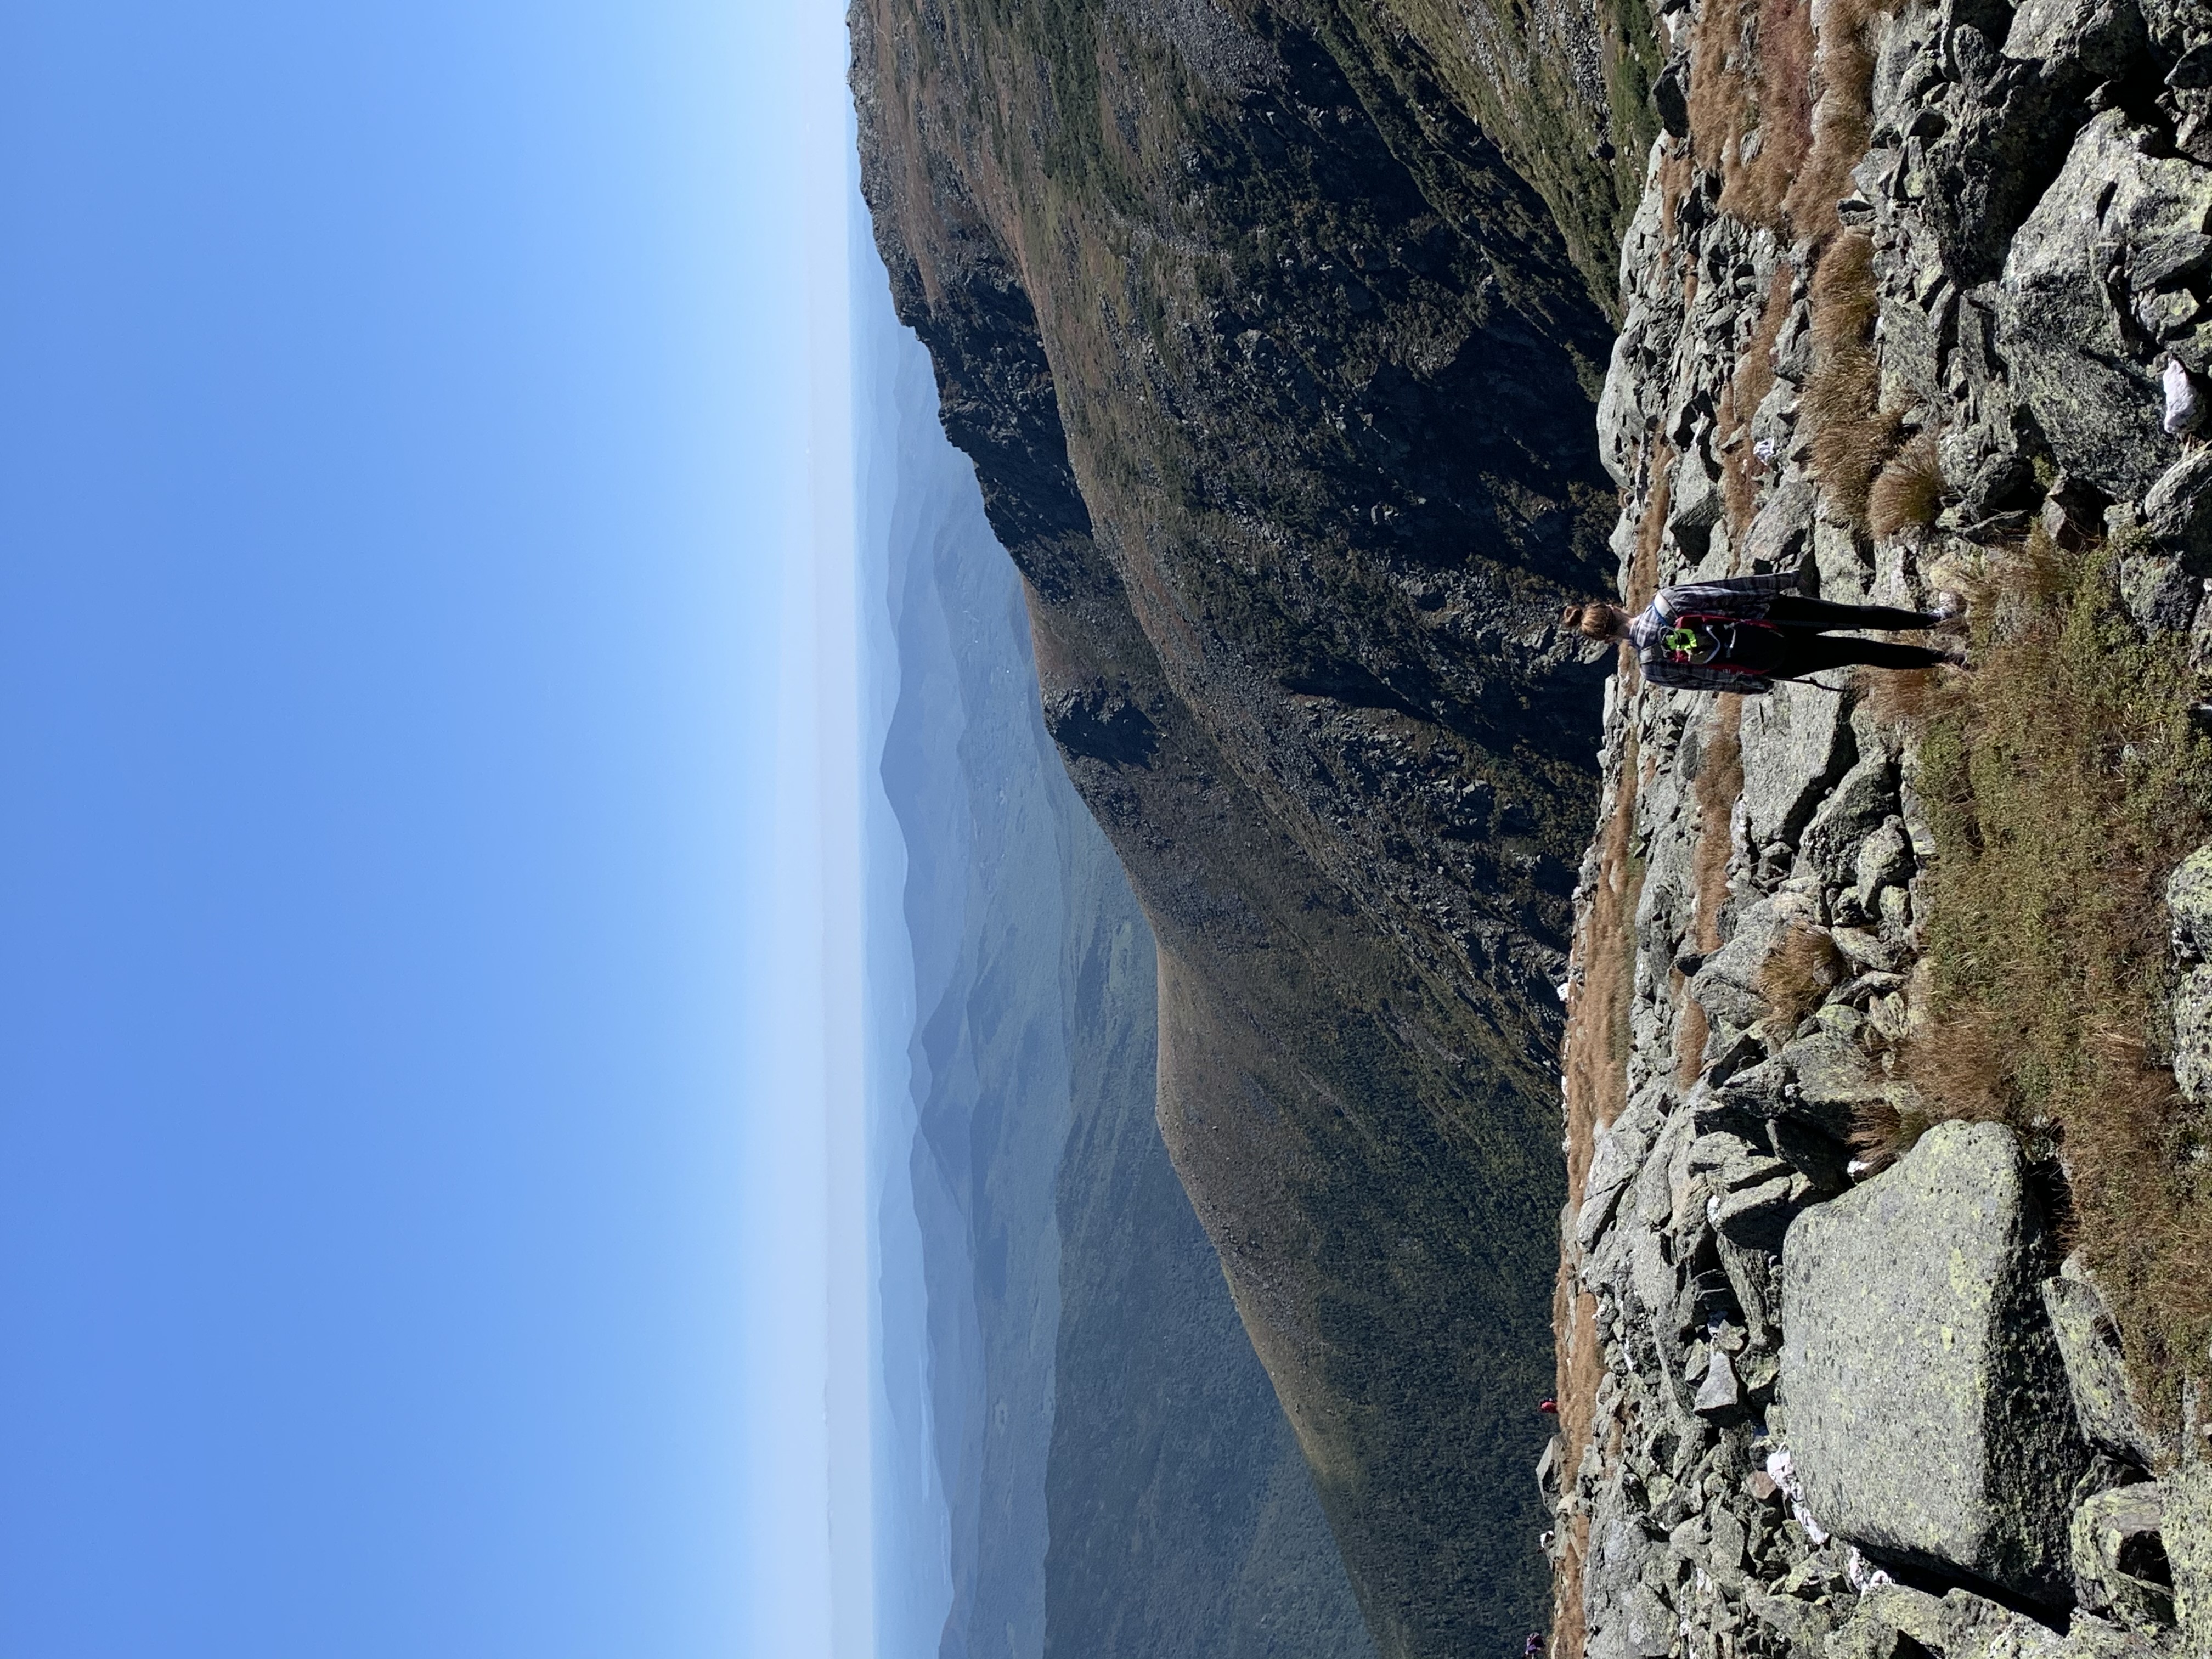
x=2192 y=1035
x=1907 y=1611
x=1670 y=97
x=1861 y=1638
x=1652 y=1274
x=1619 y=1155
x=1799 y=1623
x=2079 y=358
x=1595 y=1214
x=2119 y=1557
x=1867 y=795
x=2187 y=1534
x=1647 y=1624
x=1975 y=1627
x=1866 y=951
x=1779 y=531
x=1727 y=983
x=1694 y=502
x=1836 y=1079
x=1929 y=1415
x=1720 y=1398
x=1613 y=1566
x=1749 y=1169
x=2178 y=510
x=1794 y=739
x=1758 y=1217
x=1814 y=1153
x=2083 y=41
x=1750 y=1275
x=2096 y=1374
x=1980 y=175
x=1884 y=857
x=1619 y=421
x=2159 y=591
x=2189 y=901
x=1718 y=1149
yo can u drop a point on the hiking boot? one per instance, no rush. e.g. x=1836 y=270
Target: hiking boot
x=1956 y=657
x=1950 y=610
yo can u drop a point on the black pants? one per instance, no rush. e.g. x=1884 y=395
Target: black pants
x=1805 y=647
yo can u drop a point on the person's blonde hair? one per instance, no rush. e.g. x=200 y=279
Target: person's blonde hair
x=1592 y=622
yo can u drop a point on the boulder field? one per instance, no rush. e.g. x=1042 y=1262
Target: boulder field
x=1814 y=1401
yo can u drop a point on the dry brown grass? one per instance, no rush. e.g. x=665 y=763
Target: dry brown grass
x=1851 y=436
x=1841 y=120
x=1801 y=970
x=2062 y=783
x=1754 y=75
x=1908 y=491
x=1844 y=300
x=1956 y=1072
x=1900 y=699
x=1676 y=169
x=1594 y=1061
x=1883 y=1131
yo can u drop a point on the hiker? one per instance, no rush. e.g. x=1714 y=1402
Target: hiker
x=1744 y=633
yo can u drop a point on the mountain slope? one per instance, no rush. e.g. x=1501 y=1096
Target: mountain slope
x=1279 y=384
x=1058 y=1250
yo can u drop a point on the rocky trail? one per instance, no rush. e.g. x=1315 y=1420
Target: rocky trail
x=1811 y=1404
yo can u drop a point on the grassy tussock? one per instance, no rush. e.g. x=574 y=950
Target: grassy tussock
x=1951 y=1076
x=2062 y=784
x=1753 y=90
x=1595 y=1060
x=1650 y=531
x=1796 y=100
x=1900 y=700
x=1851 y=436
x=1842 y=118
x=1908 y=491
x=1800 y=972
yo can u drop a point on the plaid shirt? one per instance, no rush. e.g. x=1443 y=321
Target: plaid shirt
x=1734 y=596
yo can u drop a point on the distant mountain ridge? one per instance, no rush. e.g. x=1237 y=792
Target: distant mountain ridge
x=1093 y=1395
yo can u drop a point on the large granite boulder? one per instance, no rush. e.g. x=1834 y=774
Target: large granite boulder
x=2096 y=290
x=1866 y=796
x=1795 y=740
x=2082 y=41
x=1929 y=1412
x=2192 y=1035
x=2185 y=1532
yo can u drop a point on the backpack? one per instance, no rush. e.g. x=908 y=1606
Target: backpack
x=1703 y=639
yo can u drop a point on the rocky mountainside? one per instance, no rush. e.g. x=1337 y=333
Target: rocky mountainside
x=1831 y=1381
x=1279 y=382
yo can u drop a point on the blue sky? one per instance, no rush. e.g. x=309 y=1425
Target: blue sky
x=426 y=757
